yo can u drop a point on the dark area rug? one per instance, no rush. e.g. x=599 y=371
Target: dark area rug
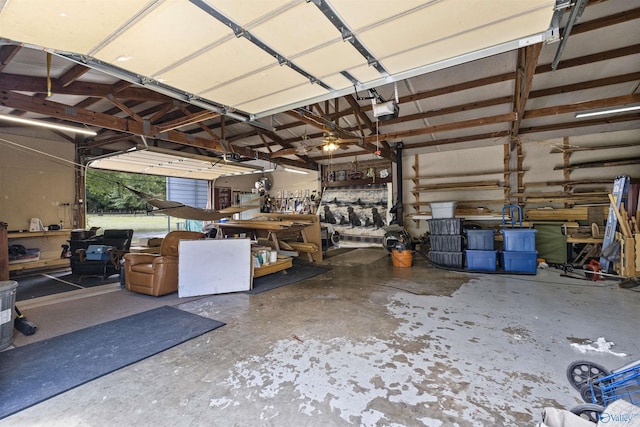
x=39 y=371
x=300 y=271
x=44 y=284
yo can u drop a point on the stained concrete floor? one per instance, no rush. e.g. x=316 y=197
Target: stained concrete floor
x=369 y=344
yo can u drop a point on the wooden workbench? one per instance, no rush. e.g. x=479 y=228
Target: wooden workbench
x=275 y=227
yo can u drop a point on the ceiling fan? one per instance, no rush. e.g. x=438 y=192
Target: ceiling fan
x=332 y=140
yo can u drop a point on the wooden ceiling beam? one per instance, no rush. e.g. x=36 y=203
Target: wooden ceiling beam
x=582 y=106
x=335 y=155
x=16 y=82
x=187 y=120
x=591 y=84
x=87 y=102
x=79 y=115
x=590 y=59
x=468 y=138
x=73 y=74
x=528 y=59
x=464 y=124
x=124 y=108
x=210 y=132
x=283 y=152
x=451 y=110
x=7 y=53
x=162 y=111
x=358 y=113
x=606 y=21
x=120 y=86
x=581 y=123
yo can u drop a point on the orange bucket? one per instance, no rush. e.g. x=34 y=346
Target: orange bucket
x=401 y=258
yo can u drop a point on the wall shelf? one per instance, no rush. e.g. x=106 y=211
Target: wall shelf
x=350 y=182
x=49 y=256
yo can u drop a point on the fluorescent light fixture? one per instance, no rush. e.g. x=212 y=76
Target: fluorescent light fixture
x=296 y=171
x=247 y=173
x=49 y=125
x=609 y=111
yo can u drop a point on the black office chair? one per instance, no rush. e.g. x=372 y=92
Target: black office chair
x=117 y=242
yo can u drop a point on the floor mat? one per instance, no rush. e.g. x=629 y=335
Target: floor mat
x=299 y=272
x=39 y=371
x=44 y=284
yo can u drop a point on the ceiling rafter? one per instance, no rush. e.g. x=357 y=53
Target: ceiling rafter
x=527 y=61
x=165 y=108
x=581 y=106
x=20 y=83
x=581 y=123
x=190 y=119
x=358 y=113
x=591 y=84
x=7 y=53
x=120 y=86
x=124 y=108
x=79 y=115
x=283 y=152
x=87 y=102
x=73 y=74
x=200 y=124
x=607 y=21
x=265 y=143
x=468 y=138
x=482 y=121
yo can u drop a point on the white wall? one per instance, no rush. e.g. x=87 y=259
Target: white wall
x=462 y=162
x=37 y=180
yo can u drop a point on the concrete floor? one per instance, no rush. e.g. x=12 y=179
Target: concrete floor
x=369 y=344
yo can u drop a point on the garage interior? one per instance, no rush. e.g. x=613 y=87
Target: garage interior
x=431 y=101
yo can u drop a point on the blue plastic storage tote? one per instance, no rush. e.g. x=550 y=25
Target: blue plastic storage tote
x=519 y=239
x=481 y=260
x=519 y=262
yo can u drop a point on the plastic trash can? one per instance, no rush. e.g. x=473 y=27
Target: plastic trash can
x=7 y=313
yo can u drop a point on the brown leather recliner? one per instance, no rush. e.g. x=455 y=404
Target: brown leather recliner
x=157 y=274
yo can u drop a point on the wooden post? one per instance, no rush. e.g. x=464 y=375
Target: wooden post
x=566 y=155
x=4 y=252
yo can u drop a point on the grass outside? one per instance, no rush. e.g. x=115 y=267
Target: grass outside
x=143 y=225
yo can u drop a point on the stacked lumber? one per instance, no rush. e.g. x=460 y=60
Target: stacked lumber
x=303 y=247
x=629 y=267
x=576 y=213
x=473 y=185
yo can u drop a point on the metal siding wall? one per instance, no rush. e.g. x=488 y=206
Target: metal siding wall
x=191 y=192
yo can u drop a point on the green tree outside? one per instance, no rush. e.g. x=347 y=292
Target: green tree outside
x=107 y=191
